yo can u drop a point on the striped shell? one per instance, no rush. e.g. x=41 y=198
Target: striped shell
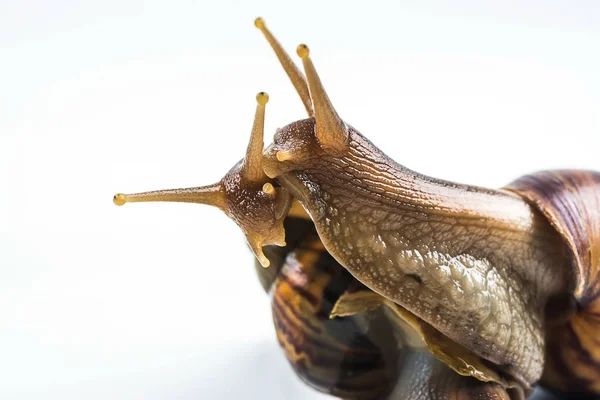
x=570 y=199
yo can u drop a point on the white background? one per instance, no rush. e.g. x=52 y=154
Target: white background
x=160 y=301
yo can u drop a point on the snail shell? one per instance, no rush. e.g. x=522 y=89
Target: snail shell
x=344 y=357
x=571 y=202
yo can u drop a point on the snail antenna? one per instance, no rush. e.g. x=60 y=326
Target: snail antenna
x=292 y=71
x=256 y=245
x=331 y=130
x=212 y=195
x=252 y=168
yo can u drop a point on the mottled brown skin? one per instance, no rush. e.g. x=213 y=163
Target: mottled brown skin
x=260 y=215
x=479 y=265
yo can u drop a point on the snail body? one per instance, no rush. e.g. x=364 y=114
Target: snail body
x=359 y=356
x=497 y=286
x=442 y=251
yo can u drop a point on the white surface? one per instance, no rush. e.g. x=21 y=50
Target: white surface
x=160 y=301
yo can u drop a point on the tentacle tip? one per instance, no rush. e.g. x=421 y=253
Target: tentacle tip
x=265 y=263
x=259 y=23
x=262 y=98
x=268 y=188
x=119 y=199
x=256 y=243
x=283 y=155
x=262 y=259
x=303 y=51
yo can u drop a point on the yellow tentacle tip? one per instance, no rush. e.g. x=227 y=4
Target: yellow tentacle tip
x=303 y=51
x=260 y=256
x=119 y=199
x=262 y=98
x=259 y=23
x=264 y=261
x=268 y=188
x=255 y=242
x=283 y=155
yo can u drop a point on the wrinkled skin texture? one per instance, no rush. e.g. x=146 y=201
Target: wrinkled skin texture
x=479 y=265
x=260 y=215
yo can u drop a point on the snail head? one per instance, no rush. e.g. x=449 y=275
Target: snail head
x=249 y=193
x=248 y=196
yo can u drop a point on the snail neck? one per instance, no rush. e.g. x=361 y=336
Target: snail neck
x=363 y=198
x=424 y=210
x=479 y=265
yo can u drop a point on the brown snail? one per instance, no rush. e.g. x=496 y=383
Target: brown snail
x=391 y=284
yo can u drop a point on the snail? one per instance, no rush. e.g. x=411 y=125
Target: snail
x=386 y=283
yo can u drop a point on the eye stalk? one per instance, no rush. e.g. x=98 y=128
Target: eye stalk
x=245 y=194
x=252 y=164
x=210 y=194
x=268 y=188
x=288 y=65
x=331 y=130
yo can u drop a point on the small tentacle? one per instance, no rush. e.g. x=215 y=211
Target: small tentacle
x=252 y=169
x=212 y=195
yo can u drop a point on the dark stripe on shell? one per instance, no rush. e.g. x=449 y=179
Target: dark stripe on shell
x=332 y=355
x=570 y=199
